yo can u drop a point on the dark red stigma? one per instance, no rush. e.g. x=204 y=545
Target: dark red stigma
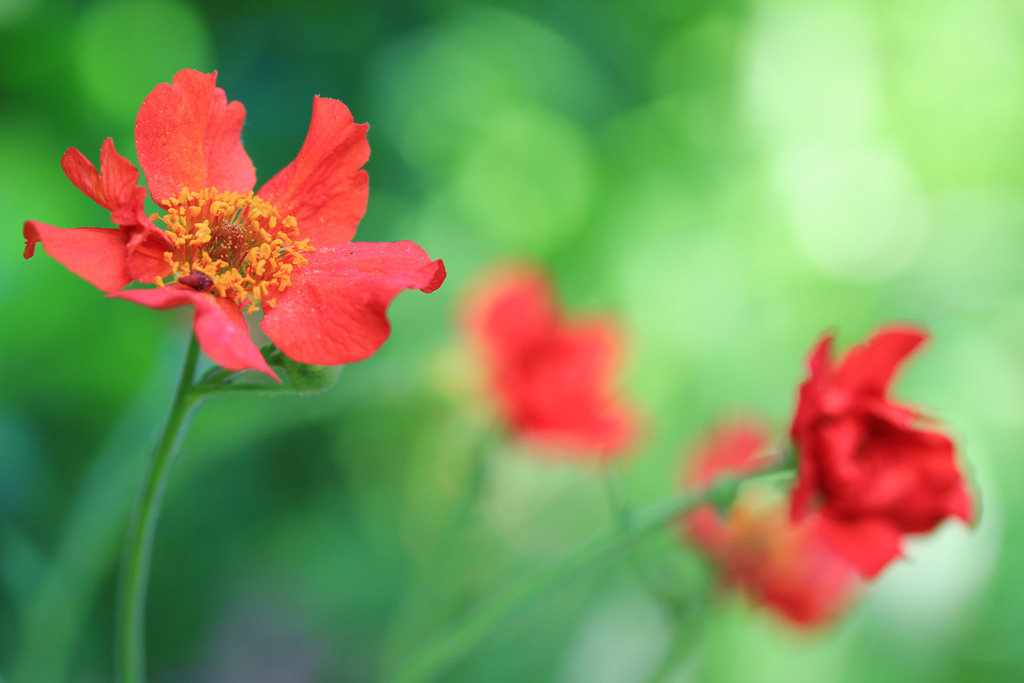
x=197 y=281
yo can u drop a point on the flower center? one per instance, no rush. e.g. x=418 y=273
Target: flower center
x=233 y=245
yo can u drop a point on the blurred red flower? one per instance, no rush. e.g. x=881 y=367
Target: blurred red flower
x=867 y=471
x=758 y=549
x=552 y=379
x=225 y=249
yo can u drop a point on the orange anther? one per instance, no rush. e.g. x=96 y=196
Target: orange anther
x=224 y=236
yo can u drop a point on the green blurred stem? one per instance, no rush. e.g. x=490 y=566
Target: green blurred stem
x=613 y=486
x=461 y=635
x=130 y=662
x=622 y=510
x=680 y=648
x=690 y=621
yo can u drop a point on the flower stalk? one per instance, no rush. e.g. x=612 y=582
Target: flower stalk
x=130 y=661
x=461 y=635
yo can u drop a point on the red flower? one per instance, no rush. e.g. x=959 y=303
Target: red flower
x=552 y=379
x=779 y=563
x=225 y=249
x=867 y=471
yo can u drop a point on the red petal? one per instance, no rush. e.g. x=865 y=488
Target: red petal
x=806 y=444
x=828 y=463
x=219 y=325
x=891 y=413
x=324 y=188
x=146 y=249
x=799 y=576
x=514 y=311
x=707 y=530
x=778 y=564
x=187 y=135
x=868 y=544
x=961 y=505
x=120 y=177
x=907 y=476
x=97 y=255
x=563 y=393
x=111 y=190
x=147 y=244
x=805 y=488
x=871 y=366
x=818 y=362
x=734 y=448
x=117 y=190
x=554 y=381
x=335 y=309
x=819 y=366
x=590 y=426
x=84 y=175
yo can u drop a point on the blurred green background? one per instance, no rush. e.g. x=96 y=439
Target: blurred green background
x=728 y=178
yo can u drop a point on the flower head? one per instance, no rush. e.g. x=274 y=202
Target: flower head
x=778 y=563
x=552 y=379
x=868 y=471
x=226 y=250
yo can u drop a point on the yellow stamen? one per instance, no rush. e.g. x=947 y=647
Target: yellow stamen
x=225 y=236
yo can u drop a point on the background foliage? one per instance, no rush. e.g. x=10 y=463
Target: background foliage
x=729 y=178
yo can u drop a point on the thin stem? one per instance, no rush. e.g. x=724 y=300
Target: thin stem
x=453 y=641
x=481 y=462
x=431 y=584
x=689 y=624
x=613 y=487
x=622 y=510
x=130 y=663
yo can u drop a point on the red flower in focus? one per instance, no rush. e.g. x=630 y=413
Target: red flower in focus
x=552 y=379
x=777 y=562
x=225 y=249
x=867 y=471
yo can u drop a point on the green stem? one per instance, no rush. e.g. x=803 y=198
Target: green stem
x=681 y=647
x=621 y=510
x=613 y=487
x=130 y=663
x=481 y=462
x=690 y=621
x=453 y=641
x=430 y=584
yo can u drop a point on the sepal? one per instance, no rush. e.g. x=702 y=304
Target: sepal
x=302 y=377
x=307 y=379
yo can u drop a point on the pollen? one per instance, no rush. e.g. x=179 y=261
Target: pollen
x=237 y=246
